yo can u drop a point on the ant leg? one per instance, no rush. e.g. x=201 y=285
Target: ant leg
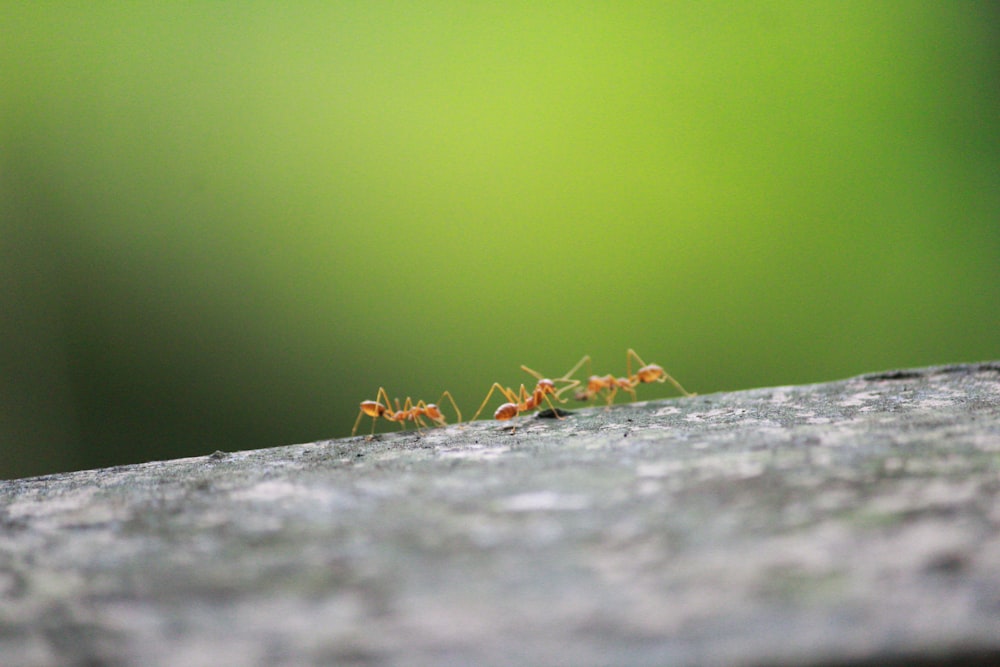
x=381 y=394
x=418 y=422
x=554 y=409
x=486 y=400
x=507 y=393
x=524 y=399
x=524 y=402
x=406 y=413
x=536 y=374
x=587 y=393
x=358 y=421
x=458 y=412
x=570 y=383
x=609 y=392
x=677 y=384
x=570 y=372
x=665 y=377
x=413 y=412
x=628 y=361
x=387 y=413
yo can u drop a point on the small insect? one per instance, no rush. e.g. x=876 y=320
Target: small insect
x=609 y=385
x=523 y=401
x=410 y=411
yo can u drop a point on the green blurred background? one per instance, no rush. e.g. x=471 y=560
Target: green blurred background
x=225 y=224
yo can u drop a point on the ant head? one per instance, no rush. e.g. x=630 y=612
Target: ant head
x=547 y=386
x=373 y=408
x=651 y=373
x=434 y=412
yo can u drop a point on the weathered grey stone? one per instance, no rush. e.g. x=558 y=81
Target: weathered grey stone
x=854 y=522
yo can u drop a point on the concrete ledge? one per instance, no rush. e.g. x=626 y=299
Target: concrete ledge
x=848 y=523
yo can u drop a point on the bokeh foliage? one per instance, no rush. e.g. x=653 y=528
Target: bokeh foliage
x=225 y=224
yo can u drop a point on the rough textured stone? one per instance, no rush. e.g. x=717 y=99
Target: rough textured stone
x=853 y=522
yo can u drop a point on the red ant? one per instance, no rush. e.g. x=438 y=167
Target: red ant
x=409 y=412
x=522 y=401
x=610 y=384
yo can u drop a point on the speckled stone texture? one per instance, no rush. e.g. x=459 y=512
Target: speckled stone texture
x=847 y=523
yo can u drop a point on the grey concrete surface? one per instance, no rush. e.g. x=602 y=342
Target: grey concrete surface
x=848 y=523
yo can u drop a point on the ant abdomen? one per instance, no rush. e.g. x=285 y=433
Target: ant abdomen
x=506 y=411
x=373 y=408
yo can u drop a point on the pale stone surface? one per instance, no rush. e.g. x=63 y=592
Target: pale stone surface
x=854 y=522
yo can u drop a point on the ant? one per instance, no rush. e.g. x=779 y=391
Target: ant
x=522 y=401
x=409 y=412
x=609 y=384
